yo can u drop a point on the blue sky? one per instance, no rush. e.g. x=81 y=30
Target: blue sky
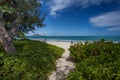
x=82 y=18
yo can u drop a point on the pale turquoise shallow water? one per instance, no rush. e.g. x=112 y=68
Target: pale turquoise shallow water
x=75 y=38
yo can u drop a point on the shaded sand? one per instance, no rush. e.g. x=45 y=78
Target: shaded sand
x=63 y=64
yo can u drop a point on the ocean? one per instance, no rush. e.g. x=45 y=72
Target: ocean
x=75 y=38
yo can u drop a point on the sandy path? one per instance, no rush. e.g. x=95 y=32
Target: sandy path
x=63 y=65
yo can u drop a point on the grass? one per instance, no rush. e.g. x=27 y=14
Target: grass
x=35 y=60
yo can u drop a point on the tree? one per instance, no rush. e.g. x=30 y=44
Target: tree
x=19 y=16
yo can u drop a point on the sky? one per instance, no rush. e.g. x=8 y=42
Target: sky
x=82 y=18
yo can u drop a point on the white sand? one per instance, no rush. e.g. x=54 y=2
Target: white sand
x=63 y=66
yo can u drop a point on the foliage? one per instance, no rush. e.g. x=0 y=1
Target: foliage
x=30 y=14
x=35 y=61
x=18 y=17
x=95 y=61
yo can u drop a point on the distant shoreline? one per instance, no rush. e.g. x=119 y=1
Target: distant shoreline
x=75 y=38
x=69 y=41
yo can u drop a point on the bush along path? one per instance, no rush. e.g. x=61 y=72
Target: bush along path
x=64 y=65
x=99 y=60
x=35 y=60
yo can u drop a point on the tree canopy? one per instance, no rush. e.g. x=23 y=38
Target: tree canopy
x=28 y=12
x=20 y=16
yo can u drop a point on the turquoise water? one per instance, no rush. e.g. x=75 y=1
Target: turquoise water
x=75 y=38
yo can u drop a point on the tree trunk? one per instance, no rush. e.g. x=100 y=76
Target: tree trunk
x=6 y=40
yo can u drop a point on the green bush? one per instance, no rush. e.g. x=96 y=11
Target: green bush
x=95 y=61
x=34 y=61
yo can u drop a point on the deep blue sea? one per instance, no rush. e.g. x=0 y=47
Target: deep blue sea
x=75 y=38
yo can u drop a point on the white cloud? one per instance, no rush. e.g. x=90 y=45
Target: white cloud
x=107 y=19
x=58 y=5
x=114 y=28
x=110 y=19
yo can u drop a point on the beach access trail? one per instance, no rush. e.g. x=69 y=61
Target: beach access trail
x=63 y=65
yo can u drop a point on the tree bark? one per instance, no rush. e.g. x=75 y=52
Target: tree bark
x=6 y=40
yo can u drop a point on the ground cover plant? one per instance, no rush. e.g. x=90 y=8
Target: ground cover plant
x=34 y=61
x=95 y=61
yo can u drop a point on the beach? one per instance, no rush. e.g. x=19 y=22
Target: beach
x=63 y=65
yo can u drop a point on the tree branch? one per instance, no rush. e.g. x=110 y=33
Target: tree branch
x=13 y=30
x=2 y=3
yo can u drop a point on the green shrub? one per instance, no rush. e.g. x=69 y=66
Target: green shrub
x=35 y=61
x=95 y=61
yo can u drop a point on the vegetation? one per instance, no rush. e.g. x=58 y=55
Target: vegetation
x=95 y=61
x=18 y=17
x=35 y=61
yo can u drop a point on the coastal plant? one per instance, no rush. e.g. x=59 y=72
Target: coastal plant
x=99 y=60
x=35 y=61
